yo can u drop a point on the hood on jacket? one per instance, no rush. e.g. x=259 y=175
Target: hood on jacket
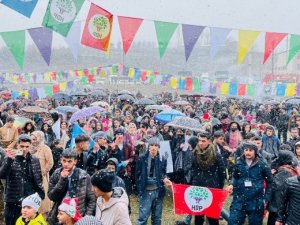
x=119 y=196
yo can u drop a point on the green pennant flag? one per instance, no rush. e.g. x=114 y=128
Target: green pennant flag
x=250 y=89
x=59 y=76
x=61 y=14
x=49 y=90
x=196 y=84
x=164 y=33
x=84 y=80
x=15 y=41
x=151 y=78
x=27 y=78
x=114 y=69
x=294 y=47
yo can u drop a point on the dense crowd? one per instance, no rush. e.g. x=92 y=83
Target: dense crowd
x=250 y=149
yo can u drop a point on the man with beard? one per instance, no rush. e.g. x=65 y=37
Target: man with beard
x=294 y=133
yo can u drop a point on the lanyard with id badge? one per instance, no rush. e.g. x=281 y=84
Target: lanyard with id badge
x=248 y=182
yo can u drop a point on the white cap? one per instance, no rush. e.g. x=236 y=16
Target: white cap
x=34 y=201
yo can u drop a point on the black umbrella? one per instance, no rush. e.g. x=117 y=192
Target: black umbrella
x=293 y=101
x=125 y=92
x=99 y=93
x=60 y=96
x=186 y=123
x=144 y=101
x=126 y=97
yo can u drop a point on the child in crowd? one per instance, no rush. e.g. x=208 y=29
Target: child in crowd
x=68 y=212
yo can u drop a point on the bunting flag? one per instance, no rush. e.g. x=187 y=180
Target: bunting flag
x=290 y=90
x=217 y=38
x=128 y=27
x=182 y=83
x=15 y=41
x=224 y=88
x=61 y=14
x=173 y=82
x=271 y=42
x=24 y=7
x=205 y=85
x=189 y=83
x=164 y=33
x=294 y=47
x=280 y=90
x=42 y=37
x=73 y=39
x=213 y=88
x=242 y=89
x=245 y=42
x=250 y=89
x=233 y=89
x=196 y=84
x=191 y=34
x=97 y=29
x=195 y=200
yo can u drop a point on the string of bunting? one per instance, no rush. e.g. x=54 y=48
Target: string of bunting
x=61 y=14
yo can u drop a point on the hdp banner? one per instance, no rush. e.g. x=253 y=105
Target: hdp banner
x=194 y=200
x=21 y=6
x=61 y=14
x=97 y=29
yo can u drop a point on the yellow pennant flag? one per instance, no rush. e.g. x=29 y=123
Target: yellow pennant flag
x=245 y=43
x=80 y=73
x=173 y=82
x=15 y=79
x=63 y=86
x=47 y=77
x=24 y=93
x=131 y=72
x=102 y=74
x=224 y=88
x=290 y=90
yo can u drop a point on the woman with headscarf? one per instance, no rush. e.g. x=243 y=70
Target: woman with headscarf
x=44 y=154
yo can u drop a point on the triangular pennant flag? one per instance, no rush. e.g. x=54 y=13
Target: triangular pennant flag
x=128 y=27
x=190 y=33
x=271 y=42
x=21 y=6
x=164 y=32
x=73 y=39
x=294 y=47
x=15 y=41
x=245 y=43
x=61 y=14
x=42 y=37
x=97 y=29
x=217 y=38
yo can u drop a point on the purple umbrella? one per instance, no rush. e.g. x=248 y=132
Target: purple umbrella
x=86 y=112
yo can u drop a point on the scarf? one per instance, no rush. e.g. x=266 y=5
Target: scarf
x=205 y=158
x=290 y=169
x=40 y=141
x=234 y=139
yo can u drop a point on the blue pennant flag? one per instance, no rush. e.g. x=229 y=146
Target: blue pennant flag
x=25 y=7
x=77 y=131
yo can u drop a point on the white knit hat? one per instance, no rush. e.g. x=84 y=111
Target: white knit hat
x=34 y=201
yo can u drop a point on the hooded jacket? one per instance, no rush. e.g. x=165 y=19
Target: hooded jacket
x=275 y=144
x=115 y=211
x=39 y=220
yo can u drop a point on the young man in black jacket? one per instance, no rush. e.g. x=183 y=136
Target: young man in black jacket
x=23 y=176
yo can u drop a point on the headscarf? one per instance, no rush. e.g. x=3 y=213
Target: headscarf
x=40 y=141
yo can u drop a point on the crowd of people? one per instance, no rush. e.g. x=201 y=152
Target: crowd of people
x=250 y=149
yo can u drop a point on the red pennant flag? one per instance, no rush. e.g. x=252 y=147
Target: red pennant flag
x=189 y=83
x=97 y=29
x=90 y=78
x=55 y=88
x=271 y=42
x=54 y=77
x=144 y=76
x=195 y=200
x=86 y=72
x=242 y=89
x=128 y=27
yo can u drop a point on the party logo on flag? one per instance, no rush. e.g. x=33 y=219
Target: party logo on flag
x=63 y=11
x=99 y=26
x=198 y=198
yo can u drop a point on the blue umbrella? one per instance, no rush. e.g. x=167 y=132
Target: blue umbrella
x=86 y=112
x=66 y=109
x=168 y=115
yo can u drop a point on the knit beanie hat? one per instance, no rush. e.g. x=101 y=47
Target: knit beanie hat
x=154 y=141
x=193 y=141
x=89 y=220
x=119 y=131
x=70 y=207
x=34 y=201
x=103 y=180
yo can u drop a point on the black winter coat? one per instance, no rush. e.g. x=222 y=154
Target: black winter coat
x=214 y=177
x=96 y=161
x=289 y=210
x=13 y=171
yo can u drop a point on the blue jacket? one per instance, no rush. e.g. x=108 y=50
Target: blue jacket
x=275 y=145
x=142 y=173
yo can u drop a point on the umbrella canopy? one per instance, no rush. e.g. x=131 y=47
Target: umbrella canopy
x=168 y=115
x=205 y=99
x=34 y=109
x=181 y=102
x=78 y=93
x=126 y=97
x=100 y=103
x=98 y=93
x=157 y=107
x=60 y=96
x=293 y=101
x=144 y=101
x=125 y=92
x=20 y=121
x=66 y=109
x=272 y=102
x=85 y=113
x=186 y=123
x=42 y=103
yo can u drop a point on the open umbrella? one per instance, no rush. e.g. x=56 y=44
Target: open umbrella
x=293 y=101
x=205 y=99
x=144 y=101
x=60 y=96
x=78 y=93
x=99 y=93
x=34 y=109
x=271 y=102
x=126 y=97
x=125 y=92
x=186 y=123
x=157 y=107
x=66 y=109
x=100 y=103
x=181 y=102
x=86 y=112
x=20 y=121
x=168 y=115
